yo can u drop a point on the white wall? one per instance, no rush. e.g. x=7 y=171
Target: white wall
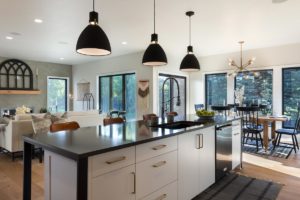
x=274 y=58
x=90 y=72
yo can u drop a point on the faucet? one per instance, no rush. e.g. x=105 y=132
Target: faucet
x=163 y=96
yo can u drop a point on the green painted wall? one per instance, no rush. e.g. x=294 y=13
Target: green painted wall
x=37 y=101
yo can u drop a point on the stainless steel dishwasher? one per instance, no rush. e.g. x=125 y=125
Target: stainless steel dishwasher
x=223 y=150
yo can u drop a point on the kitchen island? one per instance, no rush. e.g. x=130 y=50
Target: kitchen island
x=127 y=161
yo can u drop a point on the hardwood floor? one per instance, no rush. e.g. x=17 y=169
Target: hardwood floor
x=284 y=171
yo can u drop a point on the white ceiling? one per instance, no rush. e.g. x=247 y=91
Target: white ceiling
x=217 y=26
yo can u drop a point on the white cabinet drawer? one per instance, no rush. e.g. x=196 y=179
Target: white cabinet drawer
x=155 y=148
x=110 y=161
x=153 y=174
x=168 y=192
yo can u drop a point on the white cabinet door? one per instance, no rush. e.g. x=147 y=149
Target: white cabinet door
x=207 y=158
x=188 y=166
x=115 y=185
x=196 y=162
x=236 y=147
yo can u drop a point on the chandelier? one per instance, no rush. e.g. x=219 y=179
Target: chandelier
x=242 y=68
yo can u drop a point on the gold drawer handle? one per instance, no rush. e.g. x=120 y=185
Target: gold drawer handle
x=159 y=164
x=159 y=147
x=116 y=160
x=162 y=197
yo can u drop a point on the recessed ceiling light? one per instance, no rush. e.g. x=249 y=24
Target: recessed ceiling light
x=9 y=37
x=124 y=43
x=61 y=58
x=38 y=21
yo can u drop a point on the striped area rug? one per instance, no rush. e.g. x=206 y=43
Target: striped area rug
x=238 y=187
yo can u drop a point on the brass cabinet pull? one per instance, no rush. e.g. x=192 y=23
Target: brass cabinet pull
x=134 y=183
x=159 y=147
x=159 y=164
x=115 y=160
x=199 y=141
x=162 y=197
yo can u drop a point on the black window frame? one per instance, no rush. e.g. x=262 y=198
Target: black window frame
x=261 y=70
x=66 y=89
x=123 y=75
x=172 y=90
x=282 y=92
x=205 y=79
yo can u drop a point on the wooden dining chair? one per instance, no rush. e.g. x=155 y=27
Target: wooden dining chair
x=172 y=113
x=64 y=126
x=250 y=125
x=109 y=121
x=147 y=117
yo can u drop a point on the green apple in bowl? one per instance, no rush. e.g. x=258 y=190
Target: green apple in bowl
x=205 y=114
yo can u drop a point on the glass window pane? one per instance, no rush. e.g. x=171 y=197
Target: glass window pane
x=117 y=97
x=181 y=108
x=216 y=89
x=167 y=93
x=57 y=95
x=130 y=96
x=258 y=90
x=291 y=94
x=105 y=94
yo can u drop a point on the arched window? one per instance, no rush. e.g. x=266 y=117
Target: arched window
x=15 y=75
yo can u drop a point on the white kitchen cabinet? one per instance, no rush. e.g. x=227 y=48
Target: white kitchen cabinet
x=196 y=166
x=115 y=185
x=236 y=144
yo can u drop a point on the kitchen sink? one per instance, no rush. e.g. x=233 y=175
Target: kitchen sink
x=177 y=125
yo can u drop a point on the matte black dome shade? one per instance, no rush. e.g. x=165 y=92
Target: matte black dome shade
x=190 y=63
x=93 y=41
x=154 y=54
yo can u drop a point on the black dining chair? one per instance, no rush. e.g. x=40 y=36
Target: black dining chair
x=291 y=132
x=199 y=107
x=221 y=109
x=250 y=125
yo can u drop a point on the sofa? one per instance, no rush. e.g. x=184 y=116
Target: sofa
x=11 y=139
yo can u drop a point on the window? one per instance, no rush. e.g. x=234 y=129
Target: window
x=171 y=92
x=258 y=90
x=57 y=94
x=118 y=92
x=215 y=89
x=290 y=94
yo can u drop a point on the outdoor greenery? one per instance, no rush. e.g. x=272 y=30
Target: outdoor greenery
x=258 y=89
x=112 y=92
x=57 y=94
x=291 y=94
x=215 y=89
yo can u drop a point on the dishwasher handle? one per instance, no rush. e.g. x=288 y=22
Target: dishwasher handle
x=219 y=128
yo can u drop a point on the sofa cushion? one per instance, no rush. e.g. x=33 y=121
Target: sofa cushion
x=20 y=117
x=41 y=124
x=83 y=113
x=57 y=118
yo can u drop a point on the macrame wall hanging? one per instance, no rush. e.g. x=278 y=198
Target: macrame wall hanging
x=143 y=92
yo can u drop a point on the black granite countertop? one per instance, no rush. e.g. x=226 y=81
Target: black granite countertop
x=89 y=141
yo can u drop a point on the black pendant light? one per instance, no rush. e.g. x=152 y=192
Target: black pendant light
x=190 y=62
x=154 y=54
x=93 y=40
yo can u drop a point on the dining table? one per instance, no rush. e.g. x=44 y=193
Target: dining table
x=265 y=121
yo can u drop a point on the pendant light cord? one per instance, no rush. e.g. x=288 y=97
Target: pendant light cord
x=154 y=15
x=190 y=34
x=93 y=5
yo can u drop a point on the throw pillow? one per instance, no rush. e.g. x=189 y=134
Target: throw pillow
x=59 y=119
x=41 y=124
x=4 y=120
